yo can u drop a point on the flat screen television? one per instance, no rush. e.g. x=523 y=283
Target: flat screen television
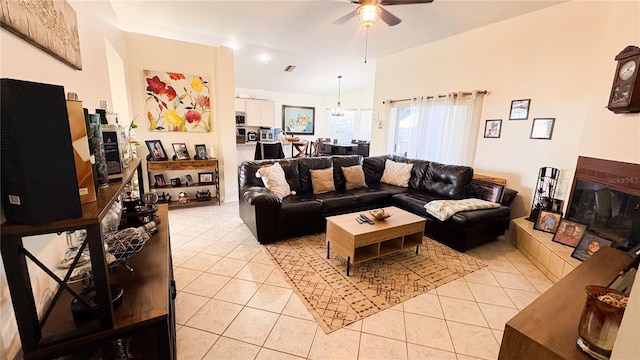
x=606 y=196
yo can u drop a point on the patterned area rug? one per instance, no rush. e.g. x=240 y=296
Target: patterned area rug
x=336 y=300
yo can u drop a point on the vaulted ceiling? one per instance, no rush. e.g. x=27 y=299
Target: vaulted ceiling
x=303 y=33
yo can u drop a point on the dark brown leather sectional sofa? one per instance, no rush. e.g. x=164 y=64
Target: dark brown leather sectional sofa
x=303 y=213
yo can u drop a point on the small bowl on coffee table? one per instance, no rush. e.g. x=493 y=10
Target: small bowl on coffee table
x=379 y=214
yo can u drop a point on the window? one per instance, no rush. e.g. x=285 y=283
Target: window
x=438 y=128
x=346 y=128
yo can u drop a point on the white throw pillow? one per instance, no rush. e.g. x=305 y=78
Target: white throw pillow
x=274 y=179
x=322 y=180
x=396 y=173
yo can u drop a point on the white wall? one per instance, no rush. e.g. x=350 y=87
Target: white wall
x=20 y=60
x=186 y=58
x=561 y=57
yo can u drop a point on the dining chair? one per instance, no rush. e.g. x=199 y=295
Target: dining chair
x=268 y=150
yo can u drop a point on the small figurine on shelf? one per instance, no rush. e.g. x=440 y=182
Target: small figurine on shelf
x=183 y=198
x=164 y=198
x=203 y=195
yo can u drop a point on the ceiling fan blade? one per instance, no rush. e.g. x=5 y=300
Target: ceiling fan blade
x=403 y=2
x=388 y=17
x=345 y=18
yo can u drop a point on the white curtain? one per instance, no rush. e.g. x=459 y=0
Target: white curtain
x=441 y=128
x=365 y=125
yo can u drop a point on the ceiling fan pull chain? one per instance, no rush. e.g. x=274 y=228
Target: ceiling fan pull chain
x=366 y=45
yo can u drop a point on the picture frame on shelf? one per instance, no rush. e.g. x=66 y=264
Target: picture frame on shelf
x=492 y=128
x=160 y=181
x=547 y=221
x=181 y=151
x=201 y=152
x=519 y=109
x=542 y=128
x=298 y=120
x=569 y=232
x=188 y=179
x=588 y=245
x=156 y=150
x=205 y=178
x=176 y=182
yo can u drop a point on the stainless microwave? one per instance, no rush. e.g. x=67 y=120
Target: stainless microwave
x=241 y=118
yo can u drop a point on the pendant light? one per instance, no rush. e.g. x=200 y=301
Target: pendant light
x=338 y=111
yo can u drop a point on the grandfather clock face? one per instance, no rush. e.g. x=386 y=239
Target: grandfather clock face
x=623 y=84
x=625 y=90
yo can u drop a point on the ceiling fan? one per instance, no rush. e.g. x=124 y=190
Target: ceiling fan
x=370 y=10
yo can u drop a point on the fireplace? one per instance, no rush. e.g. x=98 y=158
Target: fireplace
x=605 y=195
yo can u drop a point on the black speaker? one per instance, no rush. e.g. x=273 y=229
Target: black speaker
x=39 y=182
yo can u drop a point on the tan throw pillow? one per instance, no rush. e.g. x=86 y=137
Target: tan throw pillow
x=322 y=180
x=274 y=180
x=354 y=176
x=396 y=173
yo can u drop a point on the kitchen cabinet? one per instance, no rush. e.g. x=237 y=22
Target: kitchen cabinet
x=258 y=112
x=147 y=305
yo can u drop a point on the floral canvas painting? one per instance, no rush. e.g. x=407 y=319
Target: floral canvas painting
x=177 y=102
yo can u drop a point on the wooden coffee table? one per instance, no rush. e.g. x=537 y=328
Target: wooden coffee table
x=361 y=242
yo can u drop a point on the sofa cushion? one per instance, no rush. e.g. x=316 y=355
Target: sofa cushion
x=274 y=179
x=369 y=198
x=322 y=180
x=373 y=168
x=413 y=201
x=396 y=173
x=354 y=177
x=307 y=163
x=444 y=209
x=339 y=162
x=337 y=202
x=248 y=169
x=449 y=181
x=417 y=173
x=299 y=207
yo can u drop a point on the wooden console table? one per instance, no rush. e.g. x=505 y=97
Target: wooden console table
x=548 y=327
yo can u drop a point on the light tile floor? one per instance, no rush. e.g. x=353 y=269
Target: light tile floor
x=233 y=303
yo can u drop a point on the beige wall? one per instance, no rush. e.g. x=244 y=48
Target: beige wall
x=158 y=54
x=562 y=58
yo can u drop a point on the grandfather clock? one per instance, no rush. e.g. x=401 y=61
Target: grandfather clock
x=625 y=90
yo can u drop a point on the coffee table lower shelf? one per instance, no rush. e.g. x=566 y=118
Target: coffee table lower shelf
x=361 y=242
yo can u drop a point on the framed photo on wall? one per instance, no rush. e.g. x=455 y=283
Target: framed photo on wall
x=492 y=128
x=156 y=150
x=542 y=128
x=519 y=109
x=547 y=221
x=298 y=120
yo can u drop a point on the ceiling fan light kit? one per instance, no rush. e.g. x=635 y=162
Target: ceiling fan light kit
x=368 y=14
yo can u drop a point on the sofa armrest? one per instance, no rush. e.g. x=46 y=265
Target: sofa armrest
x=259 y=209
x=260 y=196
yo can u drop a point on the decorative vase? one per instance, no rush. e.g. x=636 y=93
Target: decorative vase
x=601 y=320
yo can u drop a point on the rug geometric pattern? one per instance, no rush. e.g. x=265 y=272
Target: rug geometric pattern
x=336 y=300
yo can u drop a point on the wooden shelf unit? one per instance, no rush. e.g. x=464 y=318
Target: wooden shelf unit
x=207 y=165
x=143 y=309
